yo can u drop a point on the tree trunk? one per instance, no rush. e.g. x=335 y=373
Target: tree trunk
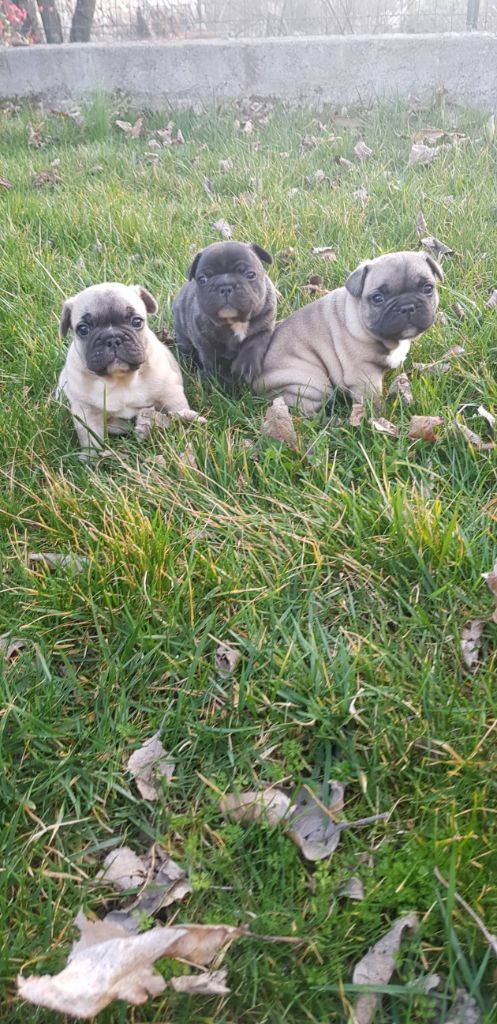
x=51 y=21
x=82 y=20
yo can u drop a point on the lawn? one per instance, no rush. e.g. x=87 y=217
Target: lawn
x=344 y=572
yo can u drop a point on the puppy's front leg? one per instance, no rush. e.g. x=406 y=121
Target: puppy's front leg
x=174 y=400
x=248 y=363
x=90 y=430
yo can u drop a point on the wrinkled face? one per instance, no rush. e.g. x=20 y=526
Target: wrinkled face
x=230 y=280
x=398 y=295
x=109 y=323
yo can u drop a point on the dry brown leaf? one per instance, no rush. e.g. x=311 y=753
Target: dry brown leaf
x=312 y=826
x=428 y=135
x=436 y=247
x=54 y=560
x=362 y=151
x=361 y=195
x=223 y=227
x=471 y=642
x=423 y=428
x=441 y=365
x=325 y=251
x=163 y=881
x=401 y=388
x=377 y=967
x=343 y=162
x=464 y=1010
x=11 y=647
x=286 y=256
x=4 y=183
x=212 y=983
x=357 y=414
x=133 y=130
x=188 y=457
x=471 y=437
x=488 y=416
x=278 y=424
x=226 y=659
x=491 y=302
x=352 y=888
x=108 y=963
x=458 y=310
x=384 y=426
x=146 y=763
x=35 y=135
x=422 y=155
x=149 y=419
x=420 y=223
x=45 y=178
x=271 y=805
x=225 y=166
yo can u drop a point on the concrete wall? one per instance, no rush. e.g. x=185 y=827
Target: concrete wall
x=342 y=70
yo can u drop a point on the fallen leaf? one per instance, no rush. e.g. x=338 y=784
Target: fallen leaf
x=361 y=195
x=226 y=659
x=163 y=882
x=490 y=129
x=270 y=805
x=54 y=560
x=343 y=162
x=401 y=388
x=188 y=457
x=165 y=336
x=286 y=256
x=421 y=154
x=320 y=176
x=420 y=223
x=11 y=647
x=35 y=135
x=223 y=227
x=149 y=419
x=423 y=428
x=278 y=424
x=325 y=251
x=45 y=178
x=212 y=983
x=133 y=130
x=491 y=581
x=377 y=967
x=486 y=415
x=209 y=188
x=471 y=642
x=357 y=414
x=362 y=151
x=315 y=281
x=153 y=144
x=435 y=246
x=226 y=165
x=4 y=183
x=166 y=135
x=145 y=763
x=471 y=437
x=440 y=365
x=312 y=826
x=384 y=426
x=108 y=963
x=464 y=1010
x=352 y=888
x=458 y=310
x=428 y=135
x=491 y=302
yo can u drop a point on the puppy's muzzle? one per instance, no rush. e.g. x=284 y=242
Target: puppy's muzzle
x=406 y=317
x=114 y=347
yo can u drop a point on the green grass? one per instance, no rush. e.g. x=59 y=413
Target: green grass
x=348 y=567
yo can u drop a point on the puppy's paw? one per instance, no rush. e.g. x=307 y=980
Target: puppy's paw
x=248 y=363
x=189 y=415
x=91 y=455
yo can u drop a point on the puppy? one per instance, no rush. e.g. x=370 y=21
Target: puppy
x=352 y=336
x=116 y=366
x=225 y=314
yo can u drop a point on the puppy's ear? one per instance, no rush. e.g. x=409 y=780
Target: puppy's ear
x=65 y=318
x=355 y=282
x=261 y=253
x=437 y=270
x=147 y=299
x=193 y=266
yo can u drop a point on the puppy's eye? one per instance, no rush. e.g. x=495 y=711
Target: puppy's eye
x=377 y=299
x=428 y=288
x=137 y=321
x=82 y=330
x=201 y=279
x=251 y=274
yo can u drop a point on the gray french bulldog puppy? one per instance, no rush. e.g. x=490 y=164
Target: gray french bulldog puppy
x=352 y=336
x=225 y=313
x=116 y=367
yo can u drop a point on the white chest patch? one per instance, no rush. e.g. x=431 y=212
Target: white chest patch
x=397 y=355
x=239 y=329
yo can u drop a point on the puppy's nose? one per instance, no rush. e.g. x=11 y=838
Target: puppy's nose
x=226 y=290
x=408 y=308
x=113 y=342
